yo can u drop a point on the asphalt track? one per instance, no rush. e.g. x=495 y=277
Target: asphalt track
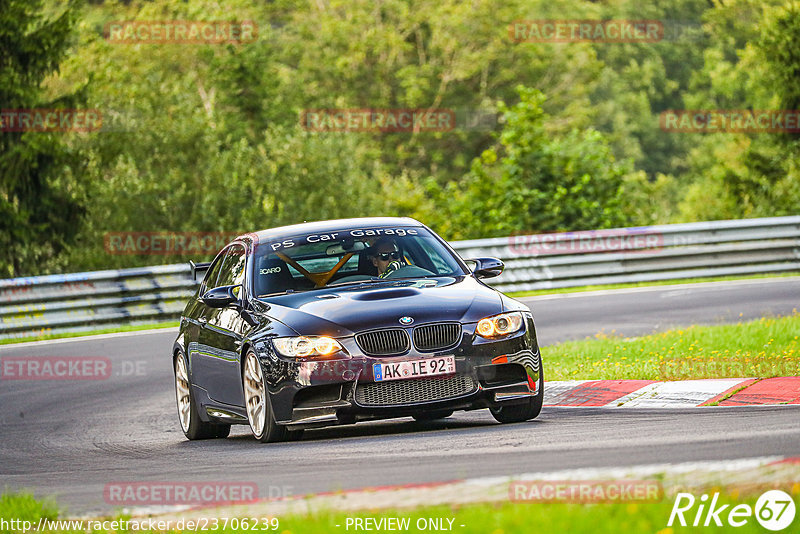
x=70 y=439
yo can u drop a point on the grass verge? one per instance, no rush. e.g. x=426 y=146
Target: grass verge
x=763 y=348
x=581 y=289
x=129 y=328
x=498 y=518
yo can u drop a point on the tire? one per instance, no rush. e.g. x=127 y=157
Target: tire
x=193 y=427
x=257 y=403
x=433 y=415
x=516 y=413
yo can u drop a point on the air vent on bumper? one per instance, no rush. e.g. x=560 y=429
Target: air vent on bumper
x=414 y=391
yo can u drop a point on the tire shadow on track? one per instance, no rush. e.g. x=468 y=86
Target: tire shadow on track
x=388 y=428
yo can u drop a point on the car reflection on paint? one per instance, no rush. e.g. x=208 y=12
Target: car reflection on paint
x=341 y=321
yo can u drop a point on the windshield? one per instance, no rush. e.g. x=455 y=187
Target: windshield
x=350 y=256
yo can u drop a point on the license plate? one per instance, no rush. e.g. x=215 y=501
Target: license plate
x=444 y=365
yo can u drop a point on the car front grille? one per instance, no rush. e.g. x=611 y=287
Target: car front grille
x=436 y=336
x=383 y=342
x=414 y=391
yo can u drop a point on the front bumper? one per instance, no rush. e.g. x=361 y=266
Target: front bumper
x=339 y=391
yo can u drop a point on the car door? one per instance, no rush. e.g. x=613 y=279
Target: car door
x=196 y=316
x=221 y=336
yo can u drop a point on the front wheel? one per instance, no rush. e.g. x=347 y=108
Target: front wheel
x=193 y=427
x=526 y=411
x=259 y=411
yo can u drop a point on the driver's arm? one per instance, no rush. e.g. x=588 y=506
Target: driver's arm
x=395 y=265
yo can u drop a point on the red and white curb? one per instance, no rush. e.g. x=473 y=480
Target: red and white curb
x=676 y=394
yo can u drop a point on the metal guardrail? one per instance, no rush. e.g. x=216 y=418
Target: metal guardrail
x=55 y=304
x=643 y=254
x=86 y=301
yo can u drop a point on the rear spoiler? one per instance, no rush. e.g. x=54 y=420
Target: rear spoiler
x=198 y=268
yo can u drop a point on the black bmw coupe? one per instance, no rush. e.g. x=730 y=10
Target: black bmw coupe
x=342 y=321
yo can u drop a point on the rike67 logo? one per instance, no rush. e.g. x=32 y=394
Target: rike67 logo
x=774 y=510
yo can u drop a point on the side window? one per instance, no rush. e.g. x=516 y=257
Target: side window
x=213 y=273
x=232 y=272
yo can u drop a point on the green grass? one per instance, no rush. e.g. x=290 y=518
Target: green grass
x=762 y=348
x=581 y=289
x=130 y=328
x=500 y=518
x=26 y=507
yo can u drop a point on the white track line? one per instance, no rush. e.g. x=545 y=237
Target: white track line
x=91 y=337
x=697 y=285
x=489 y=489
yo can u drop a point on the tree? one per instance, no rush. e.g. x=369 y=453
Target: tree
x=533 y=181
x=735 y=175
x=40 y=206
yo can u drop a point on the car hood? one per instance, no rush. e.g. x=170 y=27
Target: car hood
x=345 y=310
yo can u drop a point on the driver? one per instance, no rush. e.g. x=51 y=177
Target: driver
x=386 y=256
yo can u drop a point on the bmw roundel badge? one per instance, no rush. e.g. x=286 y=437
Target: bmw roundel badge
x=406 y=320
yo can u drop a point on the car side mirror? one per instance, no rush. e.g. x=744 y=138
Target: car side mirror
x=487 y=267
x=221 y=297
x=198 y=268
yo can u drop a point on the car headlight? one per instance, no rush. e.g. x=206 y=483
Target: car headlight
x=499 y=325
x=306 y=346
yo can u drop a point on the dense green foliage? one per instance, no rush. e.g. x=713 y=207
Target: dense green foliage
x=207 y=137
x=39 y=207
